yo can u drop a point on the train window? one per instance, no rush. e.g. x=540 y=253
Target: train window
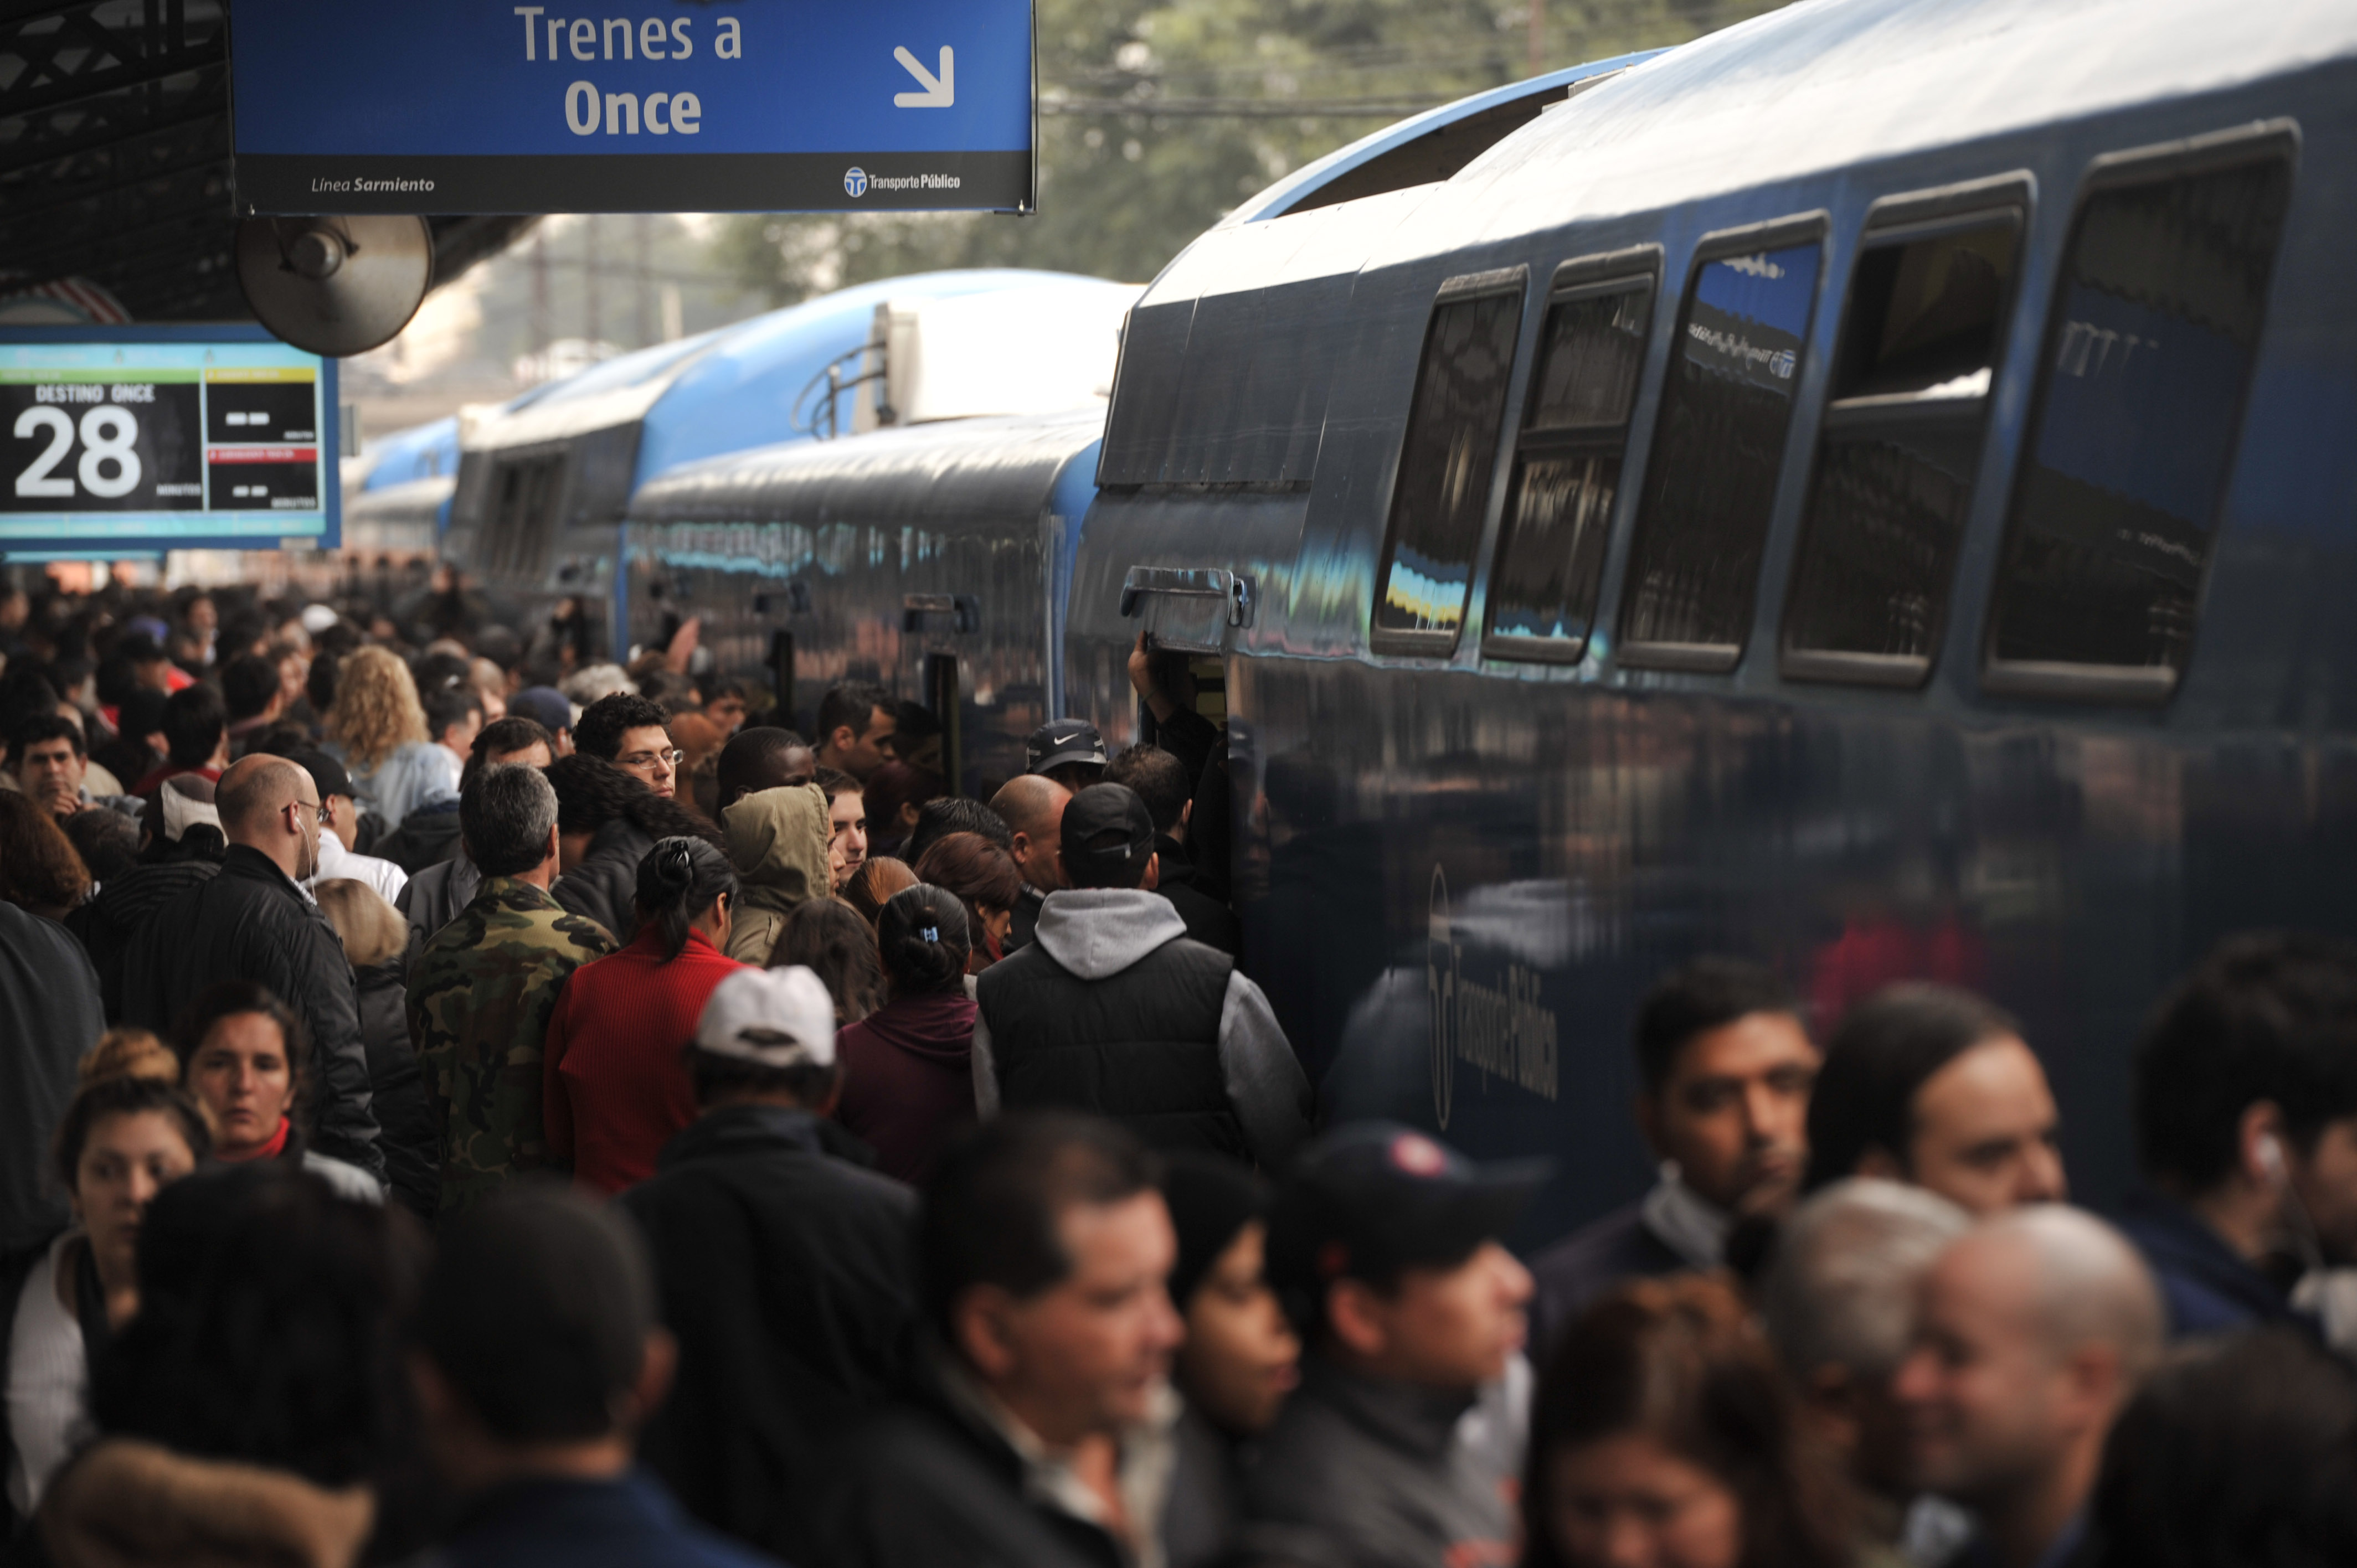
x=1542 y=595
x=1702 y=518
x=1446 y=462
x=2147 y=356
x=1900 y=439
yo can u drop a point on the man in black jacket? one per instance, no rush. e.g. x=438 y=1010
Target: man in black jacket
x=1159 y=778
x=254 y=921
x=1042 y=1437
x=1115 y=1011
x=786 y=1274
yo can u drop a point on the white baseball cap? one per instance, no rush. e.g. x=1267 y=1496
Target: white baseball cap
x=772 y=1017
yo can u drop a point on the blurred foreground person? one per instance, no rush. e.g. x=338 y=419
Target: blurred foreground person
x=1403 y=1443
x=1241 y=1357
x=776 y=839
x=908 y=1085
x=49 y=1013
x=125 y=1138
x=2238 y=1453
x=1724 y=1070
x=2033 y=1331
x=786 y=1274
x=1934 y=1086
x=1839 y=1307
x=251 y=1412
x=539 y=1358
x=1042 y=1437
x=1663 y=1436
x=1114 y=1011
x=614 y=1080
x=2247 y=1131
x=253 y=922
x=481 y=991
x=247 y=1060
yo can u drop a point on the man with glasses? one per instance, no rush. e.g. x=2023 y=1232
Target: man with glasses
x=253 y=922
x=634 y=735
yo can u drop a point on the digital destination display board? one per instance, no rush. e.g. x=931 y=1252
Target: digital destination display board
x=161 y=439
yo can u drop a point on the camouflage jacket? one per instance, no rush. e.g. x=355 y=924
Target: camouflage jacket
x=479 y=997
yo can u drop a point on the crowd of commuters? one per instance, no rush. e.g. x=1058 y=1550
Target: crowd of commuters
x=457 y=1114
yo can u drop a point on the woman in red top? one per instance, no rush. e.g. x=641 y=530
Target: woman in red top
x=615 y=1086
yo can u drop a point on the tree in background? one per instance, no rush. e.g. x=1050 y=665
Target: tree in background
x=1155 y=119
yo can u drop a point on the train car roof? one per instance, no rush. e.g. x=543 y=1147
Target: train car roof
x=420 y=452
x=965 y=471
x=731 y=388
x=1531 y=96
x=405 y=516
x=1819 y=86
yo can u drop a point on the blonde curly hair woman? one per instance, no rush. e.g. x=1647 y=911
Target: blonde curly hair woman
x=377 y=730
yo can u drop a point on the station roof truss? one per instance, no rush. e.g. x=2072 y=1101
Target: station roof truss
x=115 y=157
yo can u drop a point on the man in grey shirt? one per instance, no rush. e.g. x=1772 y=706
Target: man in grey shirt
x=1404 y=1445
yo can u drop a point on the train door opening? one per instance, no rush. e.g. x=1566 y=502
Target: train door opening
x=1197 y=681
x=940 y=687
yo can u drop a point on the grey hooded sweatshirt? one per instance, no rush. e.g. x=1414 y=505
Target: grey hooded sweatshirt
x=1096 y=933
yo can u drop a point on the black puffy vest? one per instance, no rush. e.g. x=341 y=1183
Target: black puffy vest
x=1141 y=1046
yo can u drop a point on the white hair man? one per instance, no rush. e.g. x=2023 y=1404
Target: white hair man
x=1839 y=1307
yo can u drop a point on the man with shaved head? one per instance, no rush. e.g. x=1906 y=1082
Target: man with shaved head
x=255 y=922
x=2032 y=1331
x=1032 y=806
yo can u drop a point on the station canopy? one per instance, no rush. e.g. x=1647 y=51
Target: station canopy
x=114 y=163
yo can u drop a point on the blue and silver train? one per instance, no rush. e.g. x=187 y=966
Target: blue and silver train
x=1873 y=488
x=534 y=511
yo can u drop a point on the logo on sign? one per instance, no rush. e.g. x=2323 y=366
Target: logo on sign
x=855 y=182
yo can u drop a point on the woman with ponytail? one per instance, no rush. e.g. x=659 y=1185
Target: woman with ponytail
x=908 y=1066
x=614 y=1084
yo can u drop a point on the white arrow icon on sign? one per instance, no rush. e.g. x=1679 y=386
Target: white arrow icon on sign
x=939 y=91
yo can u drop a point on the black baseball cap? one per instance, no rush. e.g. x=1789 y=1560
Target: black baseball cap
x=1062 y=742
x=1373 y=1198
x=326 y=772
x=1108 y=827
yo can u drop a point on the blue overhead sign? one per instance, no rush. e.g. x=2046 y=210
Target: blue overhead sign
x=456 y=106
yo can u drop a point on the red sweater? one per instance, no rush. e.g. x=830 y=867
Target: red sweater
x=614 y=1079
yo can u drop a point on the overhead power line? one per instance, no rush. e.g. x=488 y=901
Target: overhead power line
x=1242 y=108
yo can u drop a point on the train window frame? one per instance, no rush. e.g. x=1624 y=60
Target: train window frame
x=1465 y=288
x=1637 y=269
x=1892 y=223
x=2276 y=140
x=1716 y=657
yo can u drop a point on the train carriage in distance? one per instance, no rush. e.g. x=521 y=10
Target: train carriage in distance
x=544 y=479
x=1869 y=490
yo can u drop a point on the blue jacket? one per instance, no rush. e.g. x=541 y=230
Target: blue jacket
x=2209 y=1287
x=627 y=1523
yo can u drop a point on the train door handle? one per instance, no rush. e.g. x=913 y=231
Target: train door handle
x=1232 y=588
